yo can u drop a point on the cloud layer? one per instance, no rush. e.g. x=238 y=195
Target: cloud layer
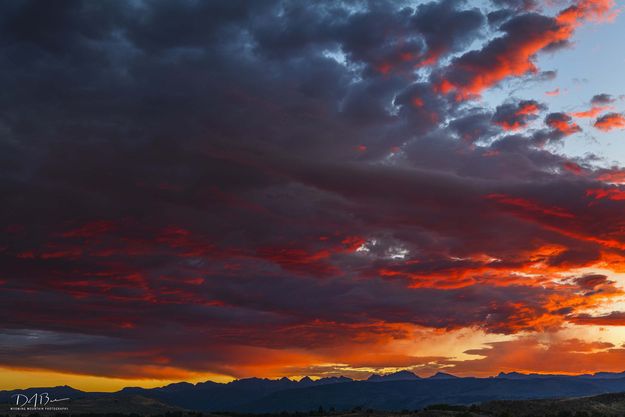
x=265 y=187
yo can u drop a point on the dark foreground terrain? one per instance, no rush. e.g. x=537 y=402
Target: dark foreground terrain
x=610 y=405
x=506 y=395
x=607 y=405
x=401 y=391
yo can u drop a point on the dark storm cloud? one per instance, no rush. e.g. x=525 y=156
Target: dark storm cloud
x=615 y=318
x=271 y=174
x=473 y=126
x=590 y=282
x=602 y=99
x=444 y=27
x=514 y=116
x=301 y=314
x=498 y=16
x=546 y=75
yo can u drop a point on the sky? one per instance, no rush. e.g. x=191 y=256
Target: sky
x=213 y=190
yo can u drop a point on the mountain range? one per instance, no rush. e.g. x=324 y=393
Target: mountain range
x=399 y=391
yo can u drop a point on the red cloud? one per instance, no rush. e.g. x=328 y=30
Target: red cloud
x=517 y=117
x=615 y=318
x=512 y=55
x=530 y=206
x=610 y=121
x=563 y=123
x=607 y=193
x=616 y=176
x=592 y=112
x=91 y=229
x=528 y=108
x=593 y=10
x=553 y=93
x=573 y=167
x=309 y=261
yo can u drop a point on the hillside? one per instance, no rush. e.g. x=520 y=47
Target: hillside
x=603 y=405
x=131 y=404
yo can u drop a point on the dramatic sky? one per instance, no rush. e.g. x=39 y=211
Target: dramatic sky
x=220 y=189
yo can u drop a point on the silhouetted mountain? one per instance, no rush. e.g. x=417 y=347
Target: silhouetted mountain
x=518 y=375
x=212 y=396
x=398 y=391
x=306 y=381
x=598 y=375
x=442 y=375
x=397 y=376
x=333 y=380
x=180 y=386
x=63 y=391
x=397 y=395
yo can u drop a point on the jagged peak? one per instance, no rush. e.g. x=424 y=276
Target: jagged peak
x=443 y=375
x=395 y=376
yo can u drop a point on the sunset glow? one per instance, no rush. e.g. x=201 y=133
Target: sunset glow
x=217 y=190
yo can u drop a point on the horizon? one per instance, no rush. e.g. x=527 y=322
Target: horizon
x=298 y=379
x=208 y=190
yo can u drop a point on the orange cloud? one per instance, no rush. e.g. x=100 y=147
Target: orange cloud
x=528 y=108
x=615 y=318
x=616 y=176
x=592 y=112
x=536 y=354
x=512 y=55
x=563 y=123
x=553 y=93
x=593 y=10
x=610 y=121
